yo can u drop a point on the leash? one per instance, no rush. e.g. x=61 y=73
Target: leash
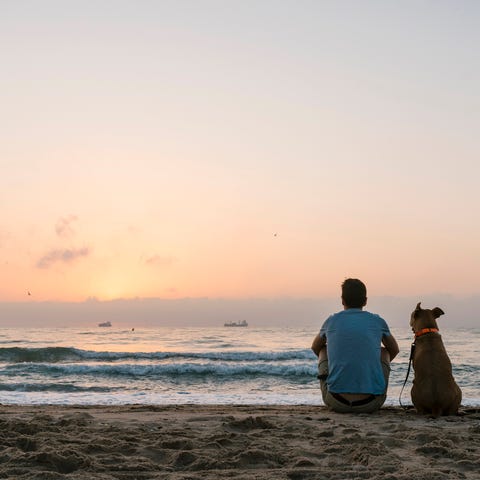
x=412 y=350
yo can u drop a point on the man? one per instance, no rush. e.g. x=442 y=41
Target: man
x=353 y=366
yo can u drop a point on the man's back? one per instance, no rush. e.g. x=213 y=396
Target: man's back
x=353 y=367
x=353 y=339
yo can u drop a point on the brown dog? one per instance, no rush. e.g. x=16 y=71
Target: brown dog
x=434 y=390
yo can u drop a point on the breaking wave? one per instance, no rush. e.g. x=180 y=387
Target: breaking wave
x=70 y=354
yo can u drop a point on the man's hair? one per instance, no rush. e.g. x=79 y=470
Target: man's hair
x=354 y=293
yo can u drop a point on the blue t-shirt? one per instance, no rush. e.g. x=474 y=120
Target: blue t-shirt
x=354 y=351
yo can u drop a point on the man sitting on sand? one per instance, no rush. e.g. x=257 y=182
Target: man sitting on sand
x=353 y=366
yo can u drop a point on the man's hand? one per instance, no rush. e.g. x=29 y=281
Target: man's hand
x=318 y=343
x=391 y=345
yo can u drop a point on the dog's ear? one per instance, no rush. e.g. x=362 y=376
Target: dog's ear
x=417 y=308
x=437 y=312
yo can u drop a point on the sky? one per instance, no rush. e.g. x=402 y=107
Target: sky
x=240 y=150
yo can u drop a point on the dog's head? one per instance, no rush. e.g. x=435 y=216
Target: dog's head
x=424 y=318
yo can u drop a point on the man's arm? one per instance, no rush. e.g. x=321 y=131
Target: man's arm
x=391 y=345
x=319 y=342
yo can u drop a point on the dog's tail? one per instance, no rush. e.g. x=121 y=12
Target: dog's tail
x=437 y=411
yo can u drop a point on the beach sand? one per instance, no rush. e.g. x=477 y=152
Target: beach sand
x=234 y=442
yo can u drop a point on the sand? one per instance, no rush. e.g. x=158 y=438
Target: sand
x=234 y=442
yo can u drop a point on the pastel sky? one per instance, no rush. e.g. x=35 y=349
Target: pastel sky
x=238 y=149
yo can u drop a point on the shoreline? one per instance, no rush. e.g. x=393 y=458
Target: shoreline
x=194 y=442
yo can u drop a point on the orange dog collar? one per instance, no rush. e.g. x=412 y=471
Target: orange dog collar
x=423 y=331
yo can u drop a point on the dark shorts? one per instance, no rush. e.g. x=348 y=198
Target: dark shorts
x=332 y=401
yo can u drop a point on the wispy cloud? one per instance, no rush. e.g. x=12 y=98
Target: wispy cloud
x=66 y=255
x=64 y=228
x=160 y=261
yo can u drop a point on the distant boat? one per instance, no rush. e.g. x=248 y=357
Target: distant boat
x=243 y=323
x=105 y=324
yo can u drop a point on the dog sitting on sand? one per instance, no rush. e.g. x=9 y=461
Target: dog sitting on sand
x=434 y=390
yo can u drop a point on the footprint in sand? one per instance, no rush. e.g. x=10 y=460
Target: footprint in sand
x=247 y=424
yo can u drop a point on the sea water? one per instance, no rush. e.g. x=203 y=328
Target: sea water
x=192 y=366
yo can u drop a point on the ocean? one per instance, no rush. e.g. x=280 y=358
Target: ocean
x=111 y=366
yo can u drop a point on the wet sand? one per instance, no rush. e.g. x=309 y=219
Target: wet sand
x=198 y=442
